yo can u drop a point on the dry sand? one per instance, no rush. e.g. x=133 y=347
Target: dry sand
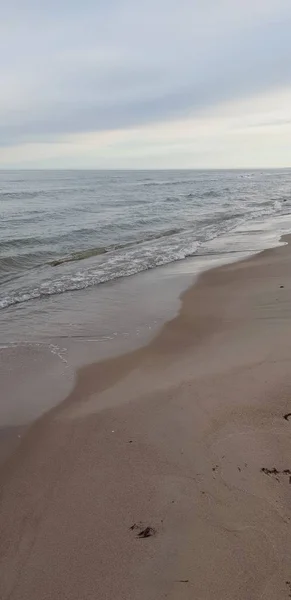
x=173 y=436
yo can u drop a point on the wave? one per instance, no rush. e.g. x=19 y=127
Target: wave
x=221 y=218
x=91 y=252
x=19 y=243
x=35 y=241
x=17 y=262
x=41 y=193
x=167 y=183
x=18 y=195
x=209 y=194
x=78 y=256
x=133 y=259
x=119 y=267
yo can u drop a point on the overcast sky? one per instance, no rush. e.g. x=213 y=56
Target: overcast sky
x=155 y=84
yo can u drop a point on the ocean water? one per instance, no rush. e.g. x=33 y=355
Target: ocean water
x=68 y=230
x=92 y=263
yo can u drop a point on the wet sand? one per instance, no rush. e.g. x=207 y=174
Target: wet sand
x=186 y=436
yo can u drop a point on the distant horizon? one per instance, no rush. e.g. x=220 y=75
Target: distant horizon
x=124 y=170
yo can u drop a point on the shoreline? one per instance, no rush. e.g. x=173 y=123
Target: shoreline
x=115 y=320
x=154 y=436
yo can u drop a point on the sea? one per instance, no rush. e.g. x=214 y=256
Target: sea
x=93 y=262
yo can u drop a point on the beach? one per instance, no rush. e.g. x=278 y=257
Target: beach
x=165 y=471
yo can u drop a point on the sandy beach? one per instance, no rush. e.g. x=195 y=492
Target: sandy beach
x=166 y=472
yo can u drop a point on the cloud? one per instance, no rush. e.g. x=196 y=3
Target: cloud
x=250 y=133
x=69 y=68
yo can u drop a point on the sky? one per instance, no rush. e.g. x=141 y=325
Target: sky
x=125 y=84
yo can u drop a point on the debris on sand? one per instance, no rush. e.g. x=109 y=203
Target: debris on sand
x=287 y=416
x=147 y=532
x=273 y=471
x=144 y=532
